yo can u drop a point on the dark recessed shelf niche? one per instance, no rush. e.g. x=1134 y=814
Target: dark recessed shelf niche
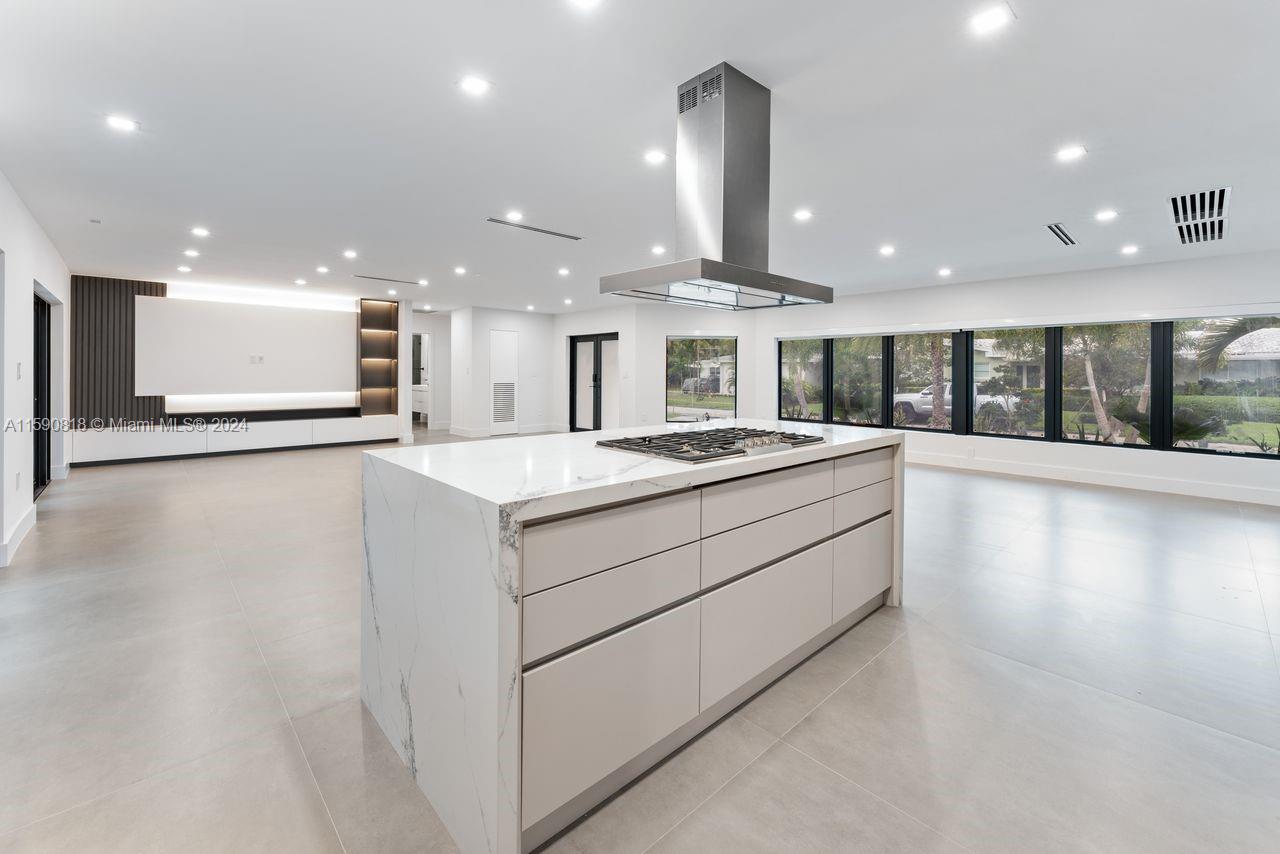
x=379 y=345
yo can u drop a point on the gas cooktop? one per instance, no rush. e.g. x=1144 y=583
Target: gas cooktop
x=702 y=446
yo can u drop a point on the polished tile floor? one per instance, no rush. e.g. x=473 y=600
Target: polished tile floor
x=1076 y=669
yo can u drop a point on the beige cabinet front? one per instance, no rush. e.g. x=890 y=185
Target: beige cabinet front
x=590 y=712
x=863 y=565
x=752 y=624
x=750 y=499
x=741 y=549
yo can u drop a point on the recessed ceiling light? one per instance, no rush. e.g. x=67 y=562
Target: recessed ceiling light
x=803 y=215
x=460 y=271
x=474 y=86
x=1008 y=320
x=658 y=249
x=122 y=123
x=1145 y=314
x=184 y=269
x=564 y=271
x=391 y=292
x=514 y=216
x=655 y=157
x=1105 y=215
x=1069 y=153
x=944 y=272
x=989 y=20
x=426 y=308
x=585 y=5
x=200 y=231
x=322 y=269
x=349 y=254
x=887 y=250
x=1130 y=250
x=568 y=301
x=191 y=253
x=528 y=308
x=299 y=281
x=423 y=282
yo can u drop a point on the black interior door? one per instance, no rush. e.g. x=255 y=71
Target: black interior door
x=585 y=379
x=40 y=409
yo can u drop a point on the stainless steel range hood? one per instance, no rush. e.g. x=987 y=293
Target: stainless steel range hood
x=722 y=205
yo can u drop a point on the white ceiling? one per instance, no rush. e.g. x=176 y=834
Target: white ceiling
x=296 y=128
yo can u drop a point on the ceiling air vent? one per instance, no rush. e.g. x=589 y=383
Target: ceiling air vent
x=689 y=98
x=1201 y=217
x=1060 y=231
x=711 y=88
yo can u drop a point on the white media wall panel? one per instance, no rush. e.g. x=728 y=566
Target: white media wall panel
x=188 y=347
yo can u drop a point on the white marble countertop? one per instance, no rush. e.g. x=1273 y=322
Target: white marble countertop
x=523 y=470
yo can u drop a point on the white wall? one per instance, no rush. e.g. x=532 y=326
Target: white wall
x=184 y=346
x=439 y=327
x=1242 y=284
x=469 y=363
x=28 y=258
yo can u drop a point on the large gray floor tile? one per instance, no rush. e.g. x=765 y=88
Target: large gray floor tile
x=640 y=814
x=256 y=795
x=1262 y=530
x=274 y=619
x=1269 y=587
x=374 y=801
x=79 y=725
x=1204 y=670
x=318 y=668
x=784 y=801
x=1007 y=758
x=274 y=574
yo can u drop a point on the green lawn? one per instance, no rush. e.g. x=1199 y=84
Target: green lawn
x=700 y=401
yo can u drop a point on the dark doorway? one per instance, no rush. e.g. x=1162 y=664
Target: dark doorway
x=593 y=392
x=40 y=409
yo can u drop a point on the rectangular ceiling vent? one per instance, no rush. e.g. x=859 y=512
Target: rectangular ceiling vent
x=1201 y=217
x=548 y=232
x=1060 y=231
x=689 y=98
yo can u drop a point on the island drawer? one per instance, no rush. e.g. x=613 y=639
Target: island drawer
x=750 y=499
x=568 y=549
x=863 y=566
x=752 y=624
x=565 y=615
x=854 y=508
x=590 y=712
x=859 y=470
x=741 y=549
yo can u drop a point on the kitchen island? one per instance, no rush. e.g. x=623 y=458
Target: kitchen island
x=543 y=619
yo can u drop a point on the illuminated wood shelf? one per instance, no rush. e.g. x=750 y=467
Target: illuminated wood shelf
x=378 y=366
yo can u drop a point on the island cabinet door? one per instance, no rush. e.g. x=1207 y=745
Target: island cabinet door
x=863 y=566
x=752 y=624
x=859 y=470
x=750 y=499
x=590 y=712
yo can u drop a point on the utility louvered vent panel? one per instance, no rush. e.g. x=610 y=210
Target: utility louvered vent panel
x=711 y=88
x=1201 y=217
x=1059 y=231
x=689 y=98
x=504 y=403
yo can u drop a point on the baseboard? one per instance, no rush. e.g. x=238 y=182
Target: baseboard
x=1114 y=477
x=406 y=438
x=59 y=472
x=20 y=531
x=469 y=432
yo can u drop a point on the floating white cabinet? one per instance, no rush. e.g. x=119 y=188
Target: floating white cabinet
x=741 y=549
x=564 y=550
x=571 y=613
x=863 y=566
x=591 y=711
x=756 y=622
x=750 y=499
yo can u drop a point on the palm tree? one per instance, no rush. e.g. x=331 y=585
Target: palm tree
x=1222 y=333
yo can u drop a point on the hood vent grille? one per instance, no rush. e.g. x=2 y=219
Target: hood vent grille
x=1059 y=231
x=711 y=88
x=689 y=98
x=1201 y=217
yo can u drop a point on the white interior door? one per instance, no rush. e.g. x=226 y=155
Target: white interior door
x=503 y=375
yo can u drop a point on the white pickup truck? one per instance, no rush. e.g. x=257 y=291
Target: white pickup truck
x=917 y=406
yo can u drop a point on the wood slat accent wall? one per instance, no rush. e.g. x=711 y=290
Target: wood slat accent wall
x=102 y=335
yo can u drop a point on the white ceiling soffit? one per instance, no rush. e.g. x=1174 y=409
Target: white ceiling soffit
x=295 y=130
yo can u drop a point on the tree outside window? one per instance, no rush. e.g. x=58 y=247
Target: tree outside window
x=702 y=378
x=1106 y=383
x=801 y=379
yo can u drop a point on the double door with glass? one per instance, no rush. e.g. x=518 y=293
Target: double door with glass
x=594 y=402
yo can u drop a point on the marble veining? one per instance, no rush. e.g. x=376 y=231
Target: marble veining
x=440 y=647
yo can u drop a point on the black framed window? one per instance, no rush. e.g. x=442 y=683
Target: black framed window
x=802 y=379
x=1226 y=385
x=922 y=380
x=857 y=381
x=702 y=378
x=1107 y=384
x=1008 y=381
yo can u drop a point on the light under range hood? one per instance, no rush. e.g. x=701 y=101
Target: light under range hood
x=722 y=205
